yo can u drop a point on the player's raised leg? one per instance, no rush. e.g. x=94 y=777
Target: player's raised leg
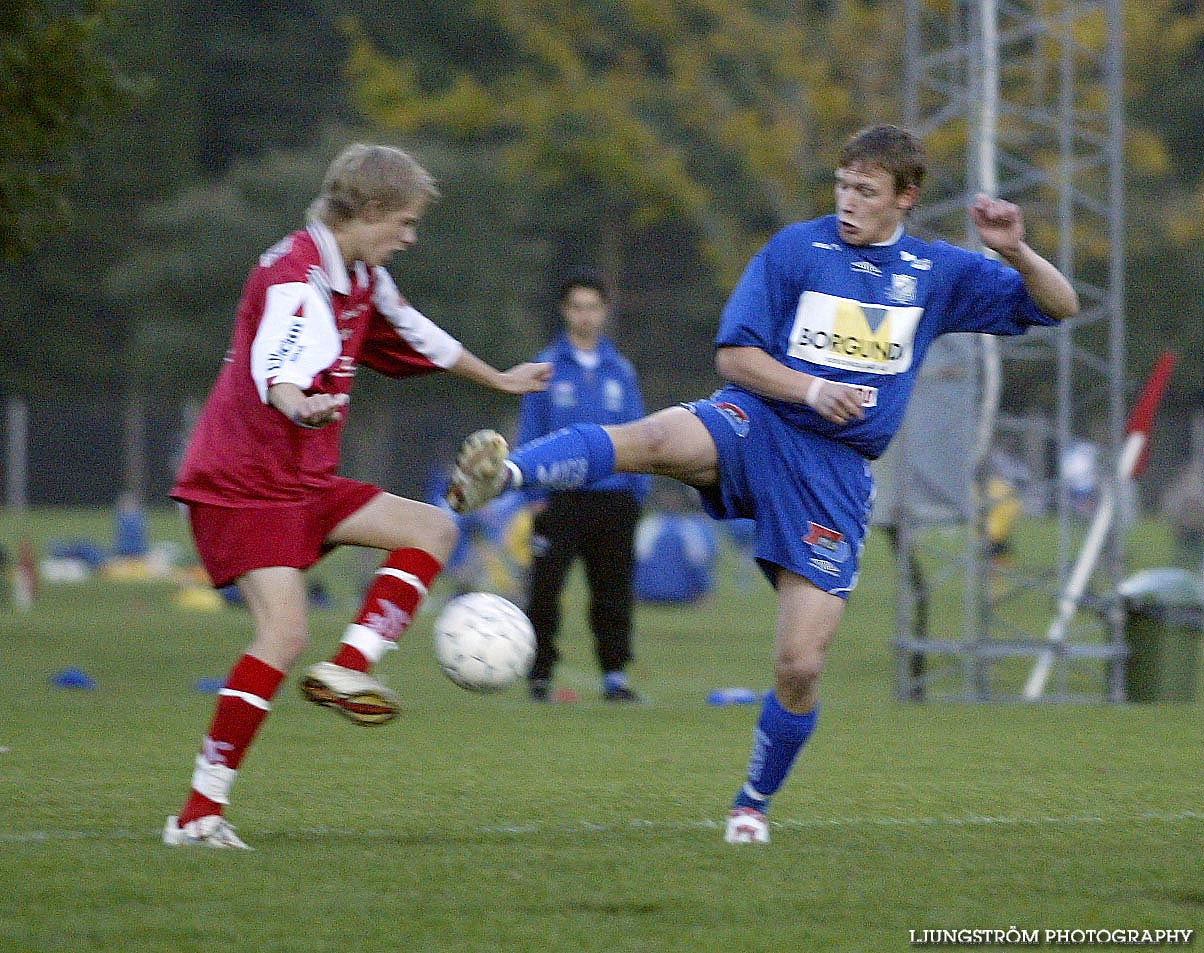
x=671 y=442
x=807 y=619
x=419 y=538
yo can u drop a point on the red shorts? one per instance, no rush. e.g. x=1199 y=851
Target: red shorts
x=232 y=540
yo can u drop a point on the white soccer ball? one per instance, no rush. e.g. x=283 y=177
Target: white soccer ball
x=483 y=642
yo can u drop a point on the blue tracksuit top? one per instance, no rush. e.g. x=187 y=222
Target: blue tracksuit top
x=607 y=394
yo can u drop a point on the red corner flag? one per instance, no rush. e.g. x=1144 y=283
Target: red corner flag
x=1141 y=420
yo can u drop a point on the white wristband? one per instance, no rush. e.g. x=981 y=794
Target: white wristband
x=817 y=384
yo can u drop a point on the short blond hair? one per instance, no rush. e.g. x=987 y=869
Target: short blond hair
x=364 y=173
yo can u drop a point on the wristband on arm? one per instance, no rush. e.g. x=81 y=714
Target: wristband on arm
x=817 y=384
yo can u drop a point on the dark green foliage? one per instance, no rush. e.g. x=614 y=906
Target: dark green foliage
x=56 y=84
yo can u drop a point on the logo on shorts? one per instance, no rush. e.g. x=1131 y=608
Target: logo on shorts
x=824 y=566
x=827 y=543
x=735 y=416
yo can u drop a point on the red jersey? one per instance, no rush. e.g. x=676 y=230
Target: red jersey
x=303 y=319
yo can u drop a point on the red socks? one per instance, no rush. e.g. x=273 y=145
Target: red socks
x=400 y=585
x=242 y=705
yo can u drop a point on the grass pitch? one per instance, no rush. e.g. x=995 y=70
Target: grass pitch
x=486 y=823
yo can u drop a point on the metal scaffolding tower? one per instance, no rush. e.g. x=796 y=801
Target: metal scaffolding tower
x=1026 y=97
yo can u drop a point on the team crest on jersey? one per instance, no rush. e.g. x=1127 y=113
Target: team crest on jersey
x=827 y=543
x=612 y=395
x=902 y=289
x=563 y=394
x=735 y=416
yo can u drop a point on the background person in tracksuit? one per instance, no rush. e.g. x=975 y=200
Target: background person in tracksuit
x=591 y=383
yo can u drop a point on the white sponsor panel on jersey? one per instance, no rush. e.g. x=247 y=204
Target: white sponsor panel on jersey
x=852 y=335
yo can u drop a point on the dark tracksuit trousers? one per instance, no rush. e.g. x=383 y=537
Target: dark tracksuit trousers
x=598 y=527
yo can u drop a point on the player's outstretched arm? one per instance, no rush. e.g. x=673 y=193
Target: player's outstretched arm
x=521 y=379
x=1000 y=227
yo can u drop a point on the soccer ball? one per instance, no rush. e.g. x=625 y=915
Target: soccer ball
x=483 y=642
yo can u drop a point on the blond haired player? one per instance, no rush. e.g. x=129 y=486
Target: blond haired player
x=260 y=479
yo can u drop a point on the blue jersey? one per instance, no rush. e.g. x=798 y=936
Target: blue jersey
x=606 y=394
x=866 y=315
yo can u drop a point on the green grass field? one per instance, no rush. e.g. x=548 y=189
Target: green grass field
x=489 y=824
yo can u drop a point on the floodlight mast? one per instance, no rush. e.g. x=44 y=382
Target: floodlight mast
x=977 y=613
x=1017 y=83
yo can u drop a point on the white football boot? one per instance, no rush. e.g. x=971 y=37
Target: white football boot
x=355 y=695
x=480 y=473
x=213 y=830
x=746 y=825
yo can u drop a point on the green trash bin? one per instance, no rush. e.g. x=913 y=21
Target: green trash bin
x=1164 y=622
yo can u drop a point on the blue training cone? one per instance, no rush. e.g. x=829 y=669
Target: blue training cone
x=732 y=696
x=73 y=678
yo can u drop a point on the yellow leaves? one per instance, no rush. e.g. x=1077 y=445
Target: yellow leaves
x=655 y=16
x=1145 y=153
x=948 y=142
x=620 y=92
x=1185 y=220
x=729 y=114
x=1090 y=31
x=388 y=90
x=383 y=88
x=466 y=108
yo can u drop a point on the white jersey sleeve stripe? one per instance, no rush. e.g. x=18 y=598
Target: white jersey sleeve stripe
x=412 y=326
x=297 y=338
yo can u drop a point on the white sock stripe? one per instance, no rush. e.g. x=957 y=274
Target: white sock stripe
x=754 y=793
x=371 y=644
x=248 y=698
x=406 y=577
x=213 y=780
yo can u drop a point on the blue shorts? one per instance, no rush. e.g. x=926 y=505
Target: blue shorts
x=809 y=495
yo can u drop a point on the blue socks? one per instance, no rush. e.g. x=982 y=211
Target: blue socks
x=567 y=459
x=779 y=737
x=613 y=681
